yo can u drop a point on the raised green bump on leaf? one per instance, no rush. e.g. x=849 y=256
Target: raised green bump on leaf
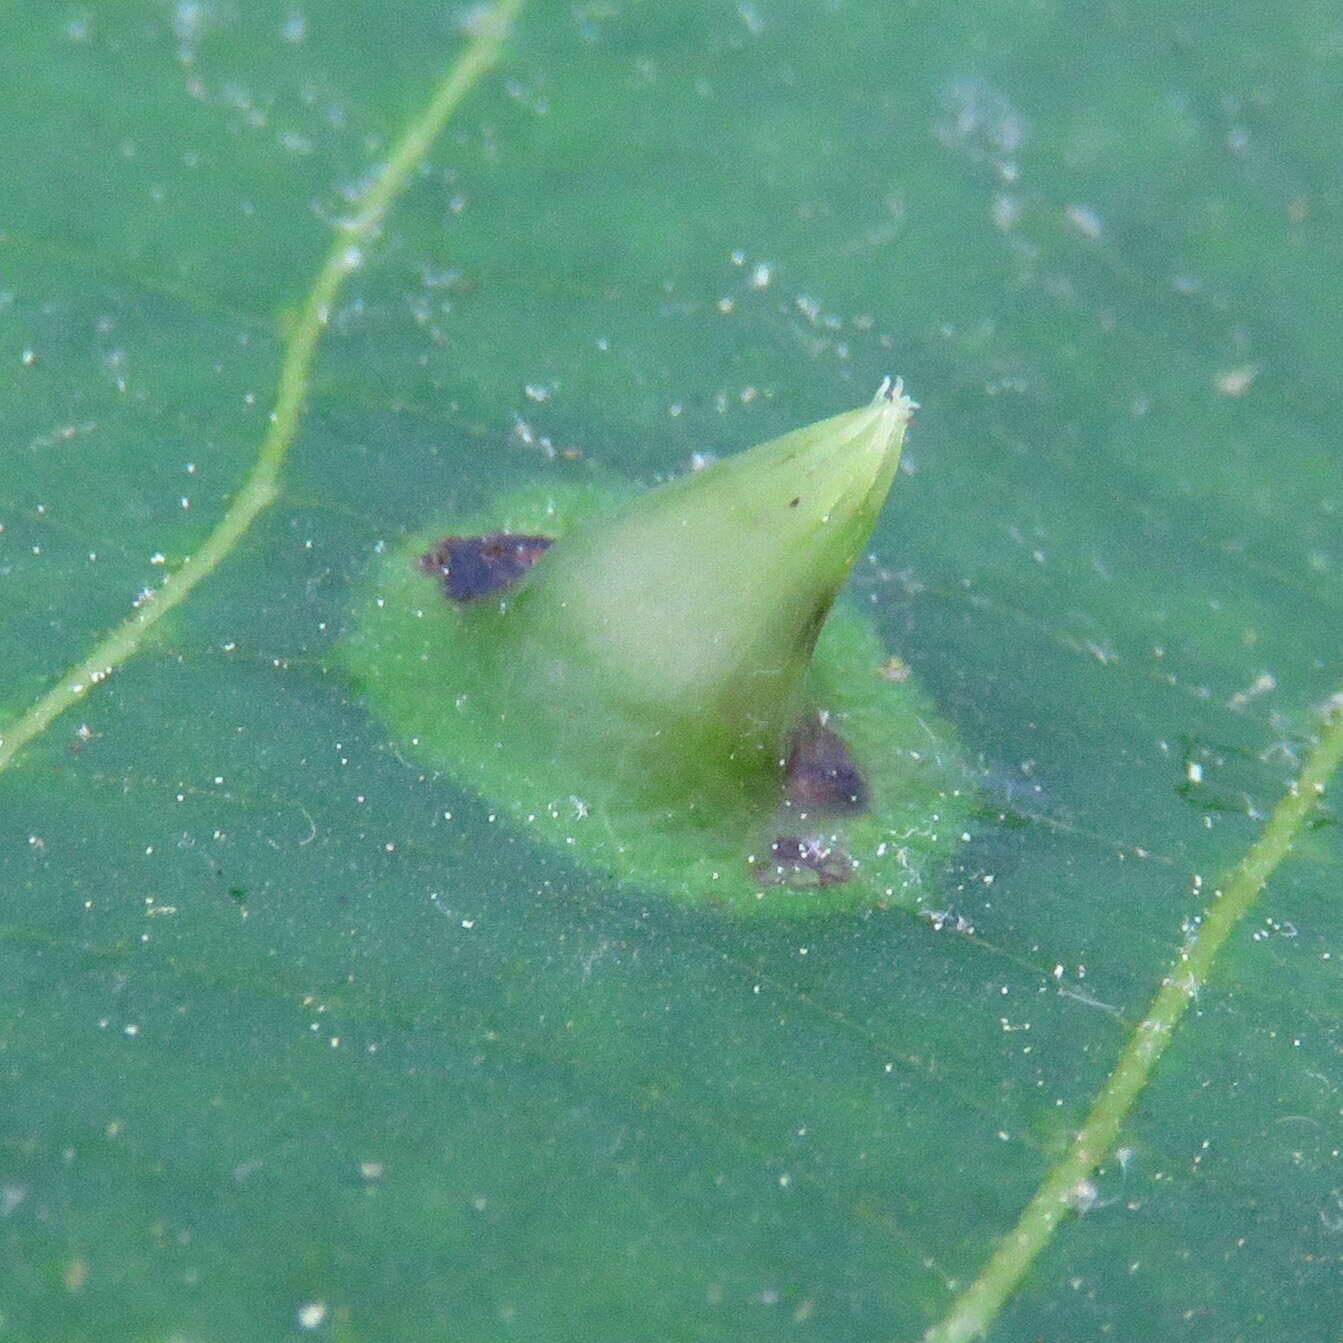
x=631 y=699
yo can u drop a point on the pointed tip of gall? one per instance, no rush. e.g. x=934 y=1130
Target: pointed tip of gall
x=893 y=394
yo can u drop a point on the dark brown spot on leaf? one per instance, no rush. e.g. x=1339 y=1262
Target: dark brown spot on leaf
x=472 y=567
x=820 y=775
x=803 y=863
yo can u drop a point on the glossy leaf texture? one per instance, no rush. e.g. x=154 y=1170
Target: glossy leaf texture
x=296 y=1034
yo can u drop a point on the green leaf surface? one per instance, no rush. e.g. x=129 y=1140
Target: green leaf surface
x=296 y=1036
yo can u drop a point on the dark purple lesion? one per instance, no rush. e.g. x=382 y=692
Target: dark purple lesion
x=803 y=863
x=820 y=777
x=820 y=774
x=472 y=567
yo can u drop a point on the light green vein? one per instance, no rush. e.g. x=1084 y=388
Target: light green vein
x=262 y=486
x=1065 y=1185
